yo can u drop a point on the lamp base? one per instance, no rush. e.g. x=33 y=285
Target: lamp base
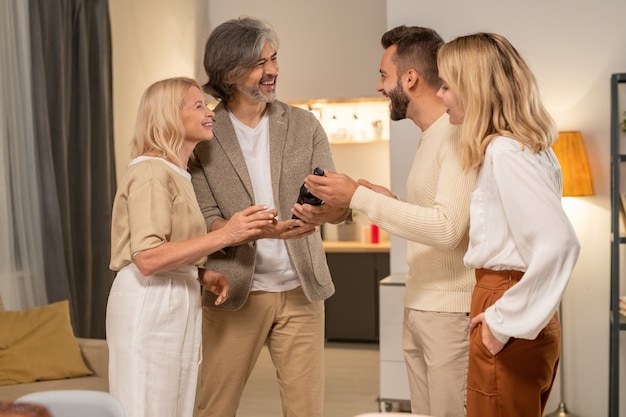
x=561 y=412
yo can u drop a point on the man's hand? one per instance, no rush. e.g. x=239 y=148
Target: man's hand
x=299 y=230
x=333 y=188
x=319 y=215
x=288 y=229
x=377 y=188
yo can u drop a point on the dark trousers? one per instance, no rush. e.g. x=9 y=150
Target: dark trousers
x=517 y=381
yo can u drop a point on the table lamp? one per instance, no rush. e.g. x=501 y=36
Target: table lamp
x=570 y=151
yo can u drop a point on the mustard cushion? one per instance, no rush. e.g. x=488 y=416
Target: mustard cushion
x=39 y=344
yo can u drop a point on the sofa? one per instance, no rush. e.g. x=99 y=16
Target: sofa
x=94 y=354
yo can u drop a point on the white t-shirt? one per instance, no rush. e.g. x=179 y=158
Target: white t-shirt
x=273 y=270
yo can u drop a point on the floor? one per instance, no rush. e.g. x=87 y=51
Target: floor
x=352 y=383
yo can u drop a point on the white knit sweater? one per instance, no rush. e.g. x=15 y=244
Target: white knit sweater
x=434 y=220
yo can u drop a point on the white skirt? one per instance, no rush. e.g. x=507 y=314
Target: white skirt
x=154 y=333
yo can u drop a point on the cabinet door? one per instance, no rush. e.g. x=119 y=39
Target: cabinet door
x=352 y=312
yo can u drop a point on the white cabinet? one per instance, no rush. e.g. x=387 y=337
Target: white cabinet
x=394 y=385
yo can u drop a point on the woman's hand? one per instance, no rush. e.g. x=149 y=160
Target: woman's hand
x=247 y=224
x=492 y=344
x=215 y=282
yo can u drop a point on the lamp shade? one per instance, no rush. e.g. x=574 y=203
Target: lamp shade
x=570 y=151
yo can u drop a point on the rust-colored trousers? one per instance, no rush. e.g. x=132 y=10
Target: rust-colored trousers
x=517 y=381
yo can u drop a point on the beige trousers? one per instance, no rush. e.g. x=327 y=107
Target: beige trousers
x=435 y=348
x=293 y=330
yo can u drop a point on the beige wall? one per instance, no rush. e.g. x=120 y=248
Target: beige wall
x=329 y=49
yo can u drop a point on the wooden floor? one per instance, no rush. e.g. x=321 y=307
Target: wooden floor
x=352 y=383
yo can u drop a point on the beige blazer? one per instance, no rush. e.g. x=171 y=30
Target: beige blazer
x=220 y=177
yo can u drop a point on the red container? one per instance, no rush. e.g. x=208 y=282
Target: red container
x=374 y=234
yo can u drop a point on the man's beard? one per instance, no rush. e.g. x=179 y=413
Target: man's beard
x=257 y=95
x=399 y=103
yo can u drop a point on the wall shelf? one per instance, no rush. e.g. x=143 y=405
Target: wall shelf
x=351 y=121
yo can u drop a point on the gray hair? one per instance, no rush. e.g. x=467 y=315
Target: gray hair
x=231 y=50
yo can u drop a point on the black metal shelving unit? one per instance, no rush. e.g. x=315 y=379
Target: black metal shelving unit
x=618 y=322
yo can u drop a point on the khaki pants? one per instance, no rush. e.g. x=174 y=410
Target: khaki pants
x=435 y=351
x=517 y=381
x=293 y=330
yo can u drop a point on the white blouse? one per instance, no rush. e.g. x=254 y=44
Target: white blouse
x=517 y=222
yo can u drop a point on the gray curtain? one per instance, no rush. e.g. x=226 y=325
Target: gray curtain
x=72 y=103
x=21 y=251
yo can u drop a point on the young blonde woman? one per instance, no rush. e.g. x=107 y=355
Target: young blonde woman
x=159 y=243
x=522 y=244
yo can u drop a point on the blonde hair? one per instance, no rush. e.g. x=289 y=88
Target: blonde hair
x=159 y=128
x=498 y=93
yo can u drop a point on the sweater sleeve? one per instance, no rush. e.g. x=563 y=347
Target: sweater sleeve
x=443 y=223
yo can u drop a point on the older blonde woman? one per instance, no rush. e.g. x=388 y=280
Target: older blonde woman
x=159 y=241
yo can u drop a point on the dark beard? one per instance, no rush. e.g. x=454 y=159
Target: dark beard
x=399 y=103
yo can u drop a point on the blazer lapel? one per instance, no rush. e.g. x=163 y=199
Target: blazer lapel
x=225 y=136
x=278 y=136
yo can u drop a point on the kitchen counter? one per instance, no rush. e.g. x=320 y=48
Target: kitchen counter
x=356 y=247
